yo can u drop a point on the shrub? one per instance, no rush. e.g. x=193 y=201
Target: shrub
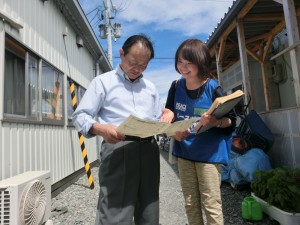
x=279 y=187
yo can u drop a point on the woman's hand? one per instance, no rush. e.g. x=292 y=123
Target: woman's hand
x=181 y=135
x=207 y=119
x=167 y=116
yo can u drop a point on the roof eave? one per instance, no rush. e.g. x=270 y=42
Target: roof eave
x=225 y=22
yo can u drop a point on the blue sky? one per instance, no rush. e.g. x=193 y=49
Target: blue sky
x=166 y=22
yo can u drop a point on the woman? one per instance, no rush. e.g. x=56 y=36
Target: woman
x=199 y=156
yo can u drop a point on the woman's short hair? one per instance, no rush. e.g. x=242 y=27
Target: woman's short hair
x=196 y=52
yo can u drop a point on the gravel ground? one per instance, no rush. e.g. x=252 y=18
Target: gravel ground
x=76 y=205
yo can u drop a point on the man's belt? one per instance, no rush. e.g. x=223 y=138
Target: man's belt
x=138 y=139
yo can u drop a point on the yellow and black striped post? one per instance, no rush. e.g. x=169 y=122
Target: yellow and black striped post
x=81 y=140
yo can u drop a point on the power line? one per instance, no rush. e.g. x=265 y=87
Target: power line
x=93 y=10
x=214 y=1
x=167 y=58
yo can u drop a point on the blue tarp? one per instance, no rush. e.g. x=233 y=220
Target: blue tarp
x=240 y=168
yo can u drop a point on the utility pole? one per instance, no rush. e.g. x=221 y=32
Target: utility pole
x=107 y=31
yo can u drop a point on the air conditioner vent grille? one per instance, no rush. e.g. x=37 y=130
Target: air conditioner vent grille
x=33 y=203
x=25 y=199
x=4 y=207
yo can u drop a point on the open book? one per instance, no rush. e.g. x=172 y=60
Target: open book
x=135 y=126
x=220 y=107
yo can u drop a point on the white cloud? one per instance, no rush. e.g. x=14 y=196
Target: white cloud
x=190 y=16
x=162 y=78
x=185 y=17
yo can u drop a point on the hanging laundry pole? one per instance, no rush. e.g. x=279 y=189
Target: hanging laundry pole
x=81 y=139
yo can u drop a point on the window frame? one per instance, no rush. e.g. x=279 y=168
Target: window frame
x=77 y=89
x=28 y=117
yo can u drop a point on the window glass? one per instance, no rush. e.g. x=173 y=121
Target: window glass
x=14 y=83
x=69 y=103
x=52 y=95
x=79 y=92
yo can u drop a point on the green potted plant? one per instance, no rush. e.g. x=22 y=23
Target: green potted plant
x=278 y=191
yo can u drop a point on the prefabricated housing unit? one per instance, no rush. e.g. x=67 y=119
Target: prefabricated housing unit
x=43 y=46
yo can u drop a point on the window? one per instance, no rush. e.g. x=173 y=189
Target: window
x=31 y=93
x=52 y=100
x=14 y=84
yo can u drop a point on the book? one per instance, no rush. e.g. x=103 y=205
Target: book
x=135 y=126
x=220 y=107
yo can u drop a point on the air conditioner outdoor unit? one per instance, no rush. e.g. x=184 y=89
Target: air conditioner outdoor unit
x=25 y=199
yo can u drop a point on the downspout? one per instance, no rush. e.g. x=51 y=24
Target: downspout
x=97 y=65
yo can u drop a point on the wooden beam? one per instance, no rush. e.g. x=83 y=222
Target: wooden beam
x=266 y=86
x=267 y=47
x=244 y=62
x=264 y=17
x=246 y=9
x=230 y=28
x=293 y=38
x=278 y=28
x=254 y=55
x=233 y=43
x=256 y=46
x=285 y=50
x=219 y=67
x=212 y=51
x=269 y=36
x=258 y=37
x=221 y=49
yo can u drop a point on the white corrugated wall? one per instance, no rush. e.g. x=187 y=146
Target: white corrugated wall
x=44 y=147
x=27 y=147
x=285 y=126
x=43 y=29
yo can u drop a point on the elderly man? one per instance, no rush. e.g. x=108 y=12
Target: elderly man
x=129 y=166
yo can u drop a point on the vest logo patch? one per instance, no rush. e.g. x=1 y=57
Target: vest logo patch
x=199 y=111
x=181 y=107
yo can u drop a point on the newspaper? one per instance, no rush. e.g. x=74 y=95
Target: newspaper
x=135 y=126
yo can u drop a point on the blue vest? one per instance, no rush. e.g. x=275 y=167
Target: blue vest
x=210 y=146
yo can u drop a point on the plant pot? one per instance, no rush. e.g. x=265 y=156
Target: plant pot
x=284 y=218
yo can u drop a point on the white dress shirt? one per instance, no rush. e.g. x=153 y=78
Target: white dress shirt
x=112 y=97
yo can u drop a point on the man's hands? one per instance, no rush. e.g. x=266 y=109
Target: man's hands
x=111 y=135
x=168 y=116
x=108 y=132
